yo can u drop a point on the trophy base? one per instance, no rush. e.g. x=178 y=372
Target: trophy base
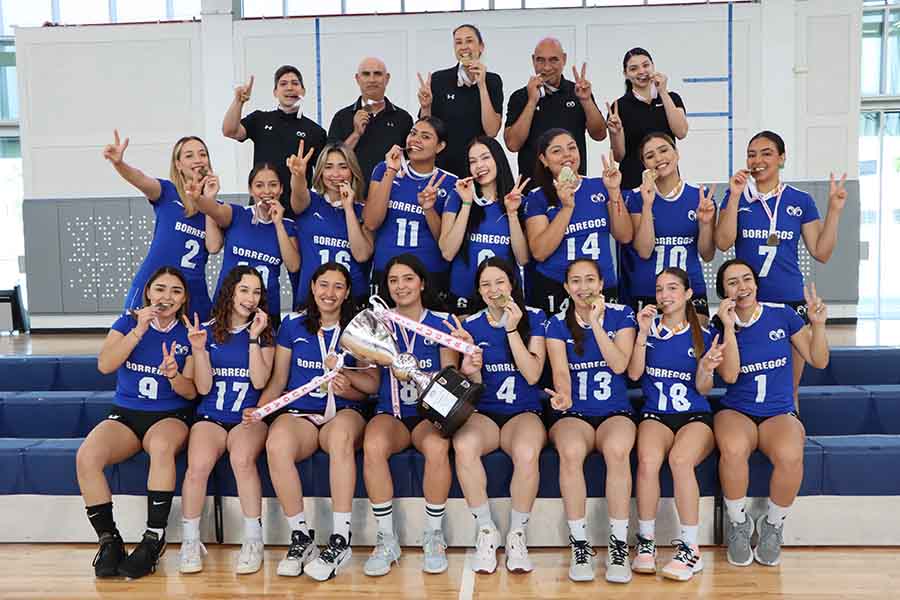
x=449 y=400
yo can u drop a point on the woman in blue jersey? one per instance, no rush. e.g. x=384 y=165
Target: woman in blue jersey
x=406 y=200
x=329 y=217
x=676 y=421
x=331 y=418
x=257 y=235
x=509 y=411
x=589 y=346
x=149 y=351
x=179 y=234
x=758 y=408
x=571 y=219
x=674 y=226
x=481 y=219
x=767 y=221
x=232 y=363
x=396 y=423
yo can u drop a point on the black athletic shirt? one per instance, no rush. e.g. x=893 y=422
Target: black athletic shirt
x=639 y=119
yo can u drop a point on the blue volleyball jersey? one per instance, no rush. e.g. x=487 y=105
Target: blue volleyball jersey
x=677 y=231
x=232 y=390
x=505 y=391
x=489 y=238
x=587 y=235
x=255 y=245
x=139 y=383
x=765 y=386
x=322 y=235
x=428 y=354
x=178 y=241
x=307 y=362
x=596 y=390
x=404 y=228
x=669 y=380
x=780 y=279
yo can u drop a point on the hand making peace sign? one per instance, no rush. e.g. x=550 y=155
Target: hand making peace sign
x=428 y=196
x=297 y=163
x=424 y=93
x=706 y=209
x=513 y=200
x=196 y=333
x=168 y=367
x=115 y=152
x=582 y=85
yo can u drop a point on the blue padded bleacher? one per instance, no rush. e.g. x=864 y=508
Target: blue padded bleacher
x=837 y=410
x=813 y=471
x=53 y=373
x=856 y=366
x=885 y=407
x=860 y=465
x=12 y=464
x=43 y=415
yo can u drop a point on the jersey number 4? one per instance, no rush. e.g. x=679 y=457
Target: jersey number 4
x=590 y=247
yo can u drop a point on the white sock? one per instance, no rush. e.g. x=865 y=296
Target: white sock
x=518 y=520
x=735 y=508
x=342 y=524
x=777 y=514
x=160 y=532
x=578 y=529
x=384 y=516
x=482 y=516
x=298 y=523
x=190 y=529
x=434 y=516
x=618 y=528
x=252 y=529
x=647 y=529
x=689 y=534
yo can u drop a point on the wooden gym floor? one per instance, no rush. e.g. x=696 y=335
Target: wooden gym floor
x=55 y=571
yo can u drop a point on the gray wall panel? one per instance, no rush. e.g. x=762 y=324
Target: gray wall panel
x=113 y=264
x=80 y=283
x=42 y=263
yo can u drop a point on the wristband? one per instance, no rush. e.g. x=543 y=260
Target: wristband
x=467 y=203
x=136 y=335
x=391 y=169
x=509 y=331
x=254 y=340
x=172 y=378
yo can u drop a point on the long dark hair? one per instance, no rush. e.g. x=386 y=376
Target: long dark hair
x=518 y=296
x=221 y=310
x=571 y=319
x=637 y=51
x=180 y=276
x=313 y=315
x=689 y=310
x=720 y=286
x=543 y=178
x=430 y=298
x=504 y=185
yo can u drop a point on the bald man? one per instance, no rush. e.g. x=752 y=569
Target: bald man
x=371 y=125
x=550 y=100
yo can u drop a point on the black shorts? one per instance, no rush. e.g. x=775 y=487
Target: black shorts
x=502 y=419
x=760 y=420
x=299 y=412
x=592 y=420
x=438 y=281
x=701 y=304
x=208 y=419
x=140 y=421
x=550 y=296
x=675 y=421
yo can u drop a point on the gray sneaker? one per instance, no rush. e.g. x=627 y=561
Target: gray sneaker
x=434 y=549
x=768 y=550
x=738 y=537
x=385 y=553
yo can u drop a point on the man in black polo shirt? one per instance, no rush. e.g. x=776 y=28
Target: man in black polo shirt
x=371 y=125
x=466 y=97
x=276 y=134
x=550 y=100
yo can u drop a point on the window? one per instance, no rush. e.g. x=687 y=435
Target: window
x=76 y=12
x=135 y=11
x=263 y=8
x=29 y=13
x=9 y=101
x=435 y=5
x=373 y=6
x=185 y=9
x=321 y=7
x=12 y=240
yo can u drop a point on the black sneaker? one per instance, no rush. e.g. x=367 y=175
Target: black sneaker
x=109 y=556
x=145 y=556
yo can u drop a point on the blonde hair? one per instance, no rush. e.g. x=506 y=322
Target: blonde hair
x=190 y=209
x=349 y=155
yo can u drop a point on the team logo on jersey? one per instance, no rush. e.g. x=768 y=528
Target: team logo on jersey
x=318 y=216
x=483 y=344
x=611 y=334
x=267 y=127
x=777 y=334
x=181 y=350
x=598 y=198
x=745 y=209
x=214 y=346
x=570 y=341
x=691 y=353
x=301 y=134
x=451 y=96
x=390 y=123
x=442 y=193
x=114 y=417
x=570 y=104
x=428 y=342
x=794 y=211
x=300 y=339
x=802 y=310
x=692 y=215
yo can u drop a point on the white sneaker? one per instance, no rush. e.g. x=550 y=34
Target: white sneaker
x=485 y=558
x=385 y=553
x=517 y=560
x=191 y=556
x=618 y=566
x=334 y=557
x=250 y=558
x=302 y=551
x=434 y=552
x=581 y=568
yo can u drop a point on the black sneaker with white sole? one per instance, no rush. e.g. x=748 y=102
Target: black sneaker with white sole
x=109 y=556
x=145 y=556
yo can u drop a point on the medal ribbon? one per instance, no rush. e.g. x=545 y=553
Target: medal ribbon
x=312 y=384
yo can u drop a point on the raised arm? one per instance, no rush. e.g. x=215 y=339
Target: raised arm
x=616 y=131
x=726 y=228
x=594 y=121
x=380 y=191
x=298 y=164
x=453 y=225
x=620 y=225
x=821 y=239
x=515 y=134
x=638 y=362
x=115 y=154
x=202 y=371
x=706 y=221
x=645 y=236
x=287 y=244
x=675 y=115
x=231 y=124
x=490 y=119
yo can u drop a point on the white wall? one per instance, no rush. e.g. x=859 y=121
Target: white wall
x=796 y=70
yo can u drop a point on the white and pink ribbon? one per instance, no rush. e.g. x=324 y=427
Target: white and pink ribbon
x=435 y=335
x=312 y=385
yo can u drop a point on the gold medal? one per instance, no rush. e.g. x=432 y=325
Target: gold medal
x=567 y=175
x=773 y=240
x=502 y=300
x=323 y=389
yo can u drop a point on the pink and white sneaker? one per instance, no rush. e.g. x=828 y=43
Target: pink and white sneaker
x=645 y=558
x=685 y=562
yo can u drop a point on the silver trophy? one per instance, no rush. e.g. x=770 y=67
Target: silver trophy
x=447 y=398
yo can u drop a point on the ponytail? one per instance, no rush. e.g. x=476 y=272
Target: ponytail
x=696 y=332
x=575 y=329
